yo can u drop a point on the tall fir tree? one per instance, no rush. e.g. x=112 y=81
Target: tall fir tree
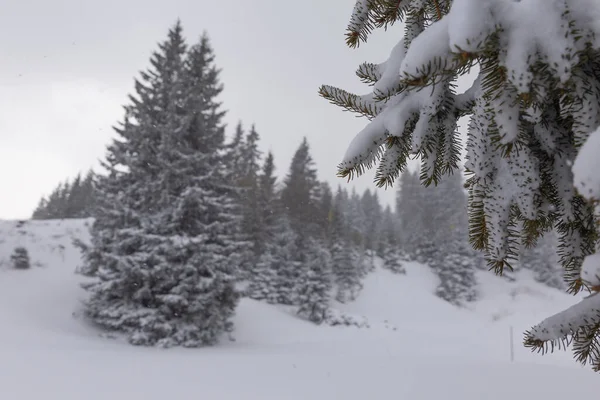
x=543 y=261
x=166 y=235
x=411 y=214
x=345 y=258
x=455 y=265
x=389 y=246
x=324 y=203
x=315 y=283
x=373 y=213
x=371 y=209
x=268 y=205
x=249 y=183
x=234 y=154
x=72 y=197
x=389 y=230
x=277 y=271
x=300 y=194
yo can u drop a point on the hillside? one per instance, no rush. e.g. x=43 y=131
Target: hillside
x=416 y=347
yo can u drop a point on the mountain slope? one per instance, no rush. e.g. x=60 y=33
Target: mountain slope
x=417 y=346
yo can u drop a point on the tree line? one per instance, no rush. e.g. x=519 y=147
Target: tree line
x=68 y=200
x=186 y=222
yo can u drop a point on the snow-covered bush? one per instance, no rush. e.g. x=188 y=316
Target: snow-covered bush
x=20 y=258
x=457 y=279
x=393 y=260
x=336 y=317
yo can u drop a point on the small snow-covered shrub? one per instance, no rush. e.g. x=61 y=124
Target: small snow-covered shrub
x=337 y=317
x=20 y=258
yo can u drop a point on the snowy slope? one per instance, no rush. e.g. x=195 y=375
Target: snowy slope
x=417 y=346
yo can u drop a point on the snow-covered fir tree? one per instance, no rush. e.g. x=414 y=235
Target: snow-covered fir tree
x=533 y=134
x=430 y=216
x=394 y=259
x=346 y=271
x=80 y=203
x=357 y=221
x=390 y=250
x=390 y=229
x=315 y=283
x=345 y=258
x=324 y=202
x=455 y=266
x=249 y=185
x=411 y=213
x=300 y=194
x=543 y=261
x=371 y=208
x=269 y=205
x=165 y=242
x=277 y=272
x=434 y=228
x=234 y=154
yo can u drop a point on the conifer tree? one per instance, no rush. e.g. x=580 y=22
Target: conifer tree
x=372 y=211
x=278 y=269
x=299 y=196
x=393 y=260
x=166 y=236
x=534 y=113
x=249 y=184
x=410 y=211
x=268 y=203
x=356 y=219
x=346 y=271
x=72 y=197
x=455 y=265
x=276 y=273
x=543 y=261
x=41 y=210
x=344 y=256
x=55 y=205
x=389 y=232
x=85 y=202
x=324 y=203
x=315 y=283
x=234 y=154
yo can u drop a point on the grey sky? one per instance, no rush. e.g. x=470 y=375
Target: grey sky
x=67 y=66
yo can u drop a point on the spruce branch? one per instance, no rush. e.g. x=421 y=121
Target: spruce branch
x=362 y=105
x=438 y=10
x=393 y=161
x=531 y=109
x=369 y=73
x=361 y=23
x=578 y=325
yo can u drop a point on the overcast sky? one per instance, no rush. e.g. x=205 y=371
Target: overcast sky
x=68 y=65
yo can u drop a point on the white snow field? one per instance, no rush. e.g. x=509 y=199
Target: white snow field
x=417 y=346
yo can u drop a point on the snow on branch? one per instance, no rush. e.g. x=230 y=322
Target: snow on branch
x=586 y=167
x=362 y=105
x=578 y=324
x=534 y=113
x=361 y=23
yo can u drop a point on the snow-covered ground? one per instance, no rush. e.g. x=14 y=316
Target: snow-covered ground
x=417 y=346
